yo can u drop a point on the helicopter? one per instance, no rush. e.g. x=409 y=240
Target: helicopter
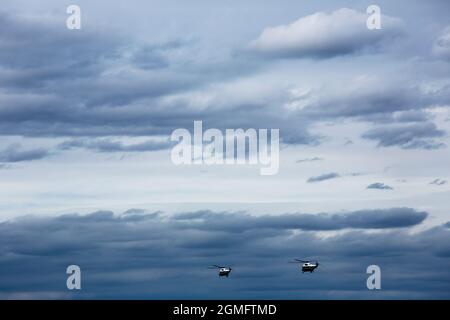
x=307 y=266
x=223 y=271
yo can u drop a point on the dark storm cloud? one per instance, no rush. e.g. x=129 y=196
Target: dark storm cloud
x=379 y=186
x=152 y=255
x=35 y=53
x=57 y=82
x=323 y=177
x=15 y=153
x=396 y=109
x=397 y=112
x=373 y=100
x=42 y=64
x=107 y=145
x=407 y=136
x=364 y=219
x=62 y=83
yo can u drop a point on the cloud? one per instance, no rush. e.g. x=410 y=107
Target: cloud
x=407 y=136
x=128 y=88
x=46 y=54
x=13 y=154
x=120 y=82
x=441 y=47
x=438 y=182
x=124 y=87
x=364 y=219
x=379 y=186
x=323 y=177
x=314 y=159
x=148 y=255
x=410 y=116
x=323 y=35
x=348 y=142
x=376 y=100
x=107 y=145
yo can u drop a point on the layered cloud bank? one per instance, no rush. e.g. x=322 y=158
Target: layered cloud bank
x=152 y=255
x=85 y=121
x=57 y=83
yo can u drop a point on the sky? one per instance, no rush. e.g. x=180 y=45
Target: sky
x=86 y=175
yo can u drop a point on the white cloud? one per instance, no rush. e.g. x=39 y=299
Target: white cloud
x=344 y=31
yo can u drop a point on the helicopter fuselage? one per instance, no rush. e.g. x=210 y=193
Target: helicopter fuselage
x=224 y=272
x=309 y=267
